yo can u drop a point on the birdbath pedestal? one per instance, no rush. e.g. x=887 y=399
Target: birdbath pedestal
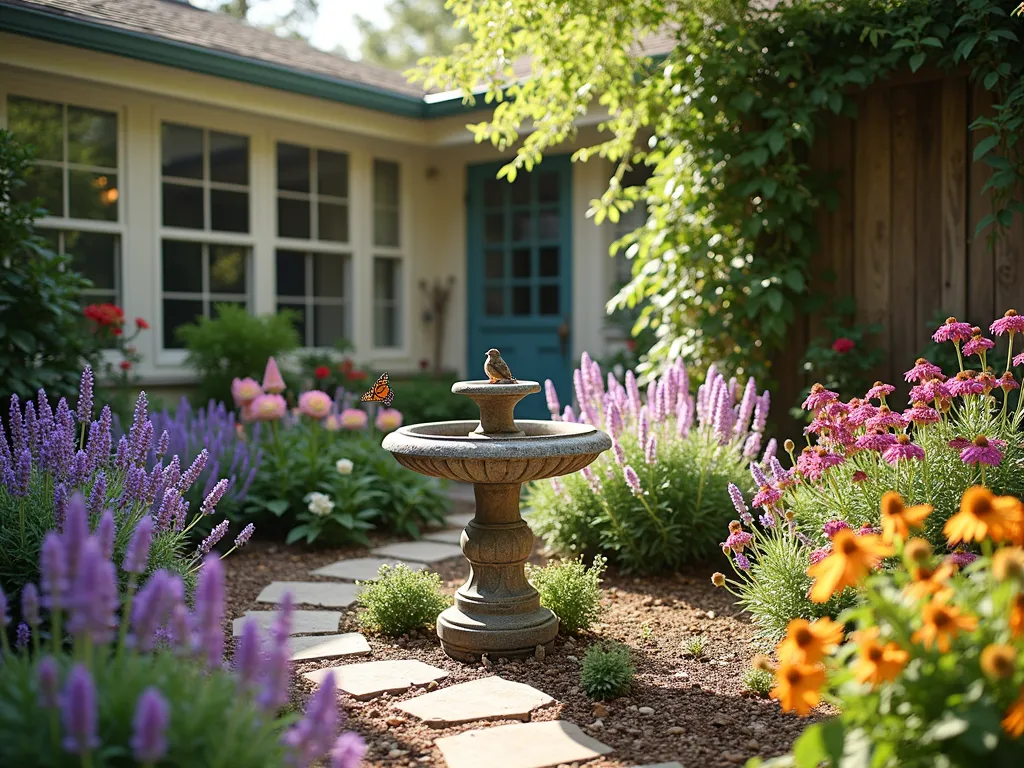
x=497 y=611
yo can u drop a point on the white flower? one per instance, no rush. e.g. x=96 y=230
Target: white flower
x=344 y=466
x=320 y=504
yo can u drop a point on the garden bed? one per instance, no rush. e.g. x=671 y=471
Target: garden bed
x=701 y=714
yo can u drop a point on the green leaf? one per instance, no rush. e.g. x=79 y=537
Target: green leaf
x=835 y=102
x=297 y=533
x=23 y=340
x=1004 y=217
x=278 y=506
x=990 y=80
x=769 y=188
x=917 y=60
x=820 y=742
x=985 y=145
x=776 y=142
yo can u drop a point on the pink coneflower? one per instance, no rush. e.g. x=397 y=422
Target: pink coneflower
x=981 y=450
x=922 y=371
x=876 y=440
x=1007 y=383
x=959 y=443
x=988 y=381
x=829 y=459
x=838 y=435
x=952 y=330
x=961 y=558
x=808 y=464
x=766 y=496
x=903 y=449
x=965 y=383
x=860 y=412
x=832 y=527
x=859 y=476
x=879 y=391
x=818 y=398
x=868 y=530
x=315 y=404
x=818 y=555
x=921 y=413
x=930 y=390
x=1010 y=322
x=738 y=540
x=1019 y=359
x=885 y=418
x=978 y=344
x=835 y=410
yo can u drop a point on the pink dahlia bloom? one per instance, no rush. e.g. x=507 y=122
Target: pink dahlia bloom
x=922 y=371
x=818 y=398
x=952 y=330
x=885 y=418
x=273 y=382
x=982 y=450
x=268 y=408
x=1010 y=322
x=1007 y=383
x=879 y=391
x=977 y=345
x=930 y=390
x=766 y=496
x=315 y=404
x=388 y=419
x=876 y=440
x=965 y=383
x=244 y=391
x=902 y=450
x=354 y=418
x=921 y=413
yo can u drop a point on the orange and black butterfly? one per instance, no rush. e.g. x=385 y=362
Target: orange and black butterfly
x=381 y=392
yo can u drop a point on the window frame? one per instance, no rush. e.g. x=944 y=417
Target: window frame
x=397 y=253
x=310 y=301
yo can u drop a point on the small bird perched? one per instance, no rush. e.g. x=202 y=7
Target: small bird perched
x=497 y=369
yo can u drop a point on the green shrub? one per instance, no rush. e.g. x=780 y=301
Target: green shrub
x=44 y=340
x=758 y=681
x=606 y=672
x=571 y=590
x=234 y=343
x=429 y=398
x=401 y=600
x=696 y=646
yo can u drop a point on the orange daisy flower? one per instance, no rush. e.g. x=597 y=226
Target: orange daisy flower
x=851 y=558
x=1017 y=616
x=931 y=582
x=984 y=515
x=897 y=520
x=877 y=663
x=998 y=661
x=1013 y=723
x=1008 y=564
x=809 y=642
x=798 y=687
x=942 y=623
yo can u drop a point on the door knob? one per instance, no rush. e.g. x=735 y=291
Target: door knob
x=563 y=337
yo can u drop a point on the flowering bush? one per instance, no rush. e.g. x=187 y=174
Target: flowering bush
x=933 y=673
x=658 y=498
x=149 y=686
x=957 y=431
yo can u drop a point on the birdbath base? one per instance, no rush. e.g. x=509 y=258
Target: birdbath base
x=497 y=611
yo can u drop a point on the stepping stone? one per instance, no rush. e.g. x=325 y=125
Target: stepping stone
x=361 y=568
x=489 y=698
x=420 y=551
x=329 y=594
x=451 y=536
x=673 y=764
x=303 y=622
x=369 y=679
x=459 y=521
x=316 y=647
x=521 y=745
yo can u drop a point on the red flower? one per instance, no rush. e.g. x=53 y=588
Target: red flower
x=631 y=344
x=346 y=365
x=356 y=375
x=116 y=331
x=424 y=364
x=125 y=365
x=105 y=314
x=322 y=372
x=141 y=324
x=842 y=345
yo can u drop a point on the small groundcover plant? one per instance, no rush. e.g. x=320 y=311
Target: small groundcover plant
x=606 y=672
x=401 y=600
x=148 y=686
x=928 y=669
x=571 y=591
x=957 y=431
x=659 y=498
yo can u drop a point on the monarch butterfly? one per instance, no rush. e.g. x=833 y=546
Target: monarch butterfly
x=381 y=392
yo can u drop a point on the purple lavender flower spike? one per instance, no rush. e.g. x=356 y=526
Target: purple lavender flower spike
x=209 y=611
x=758 y=475
x=651 y=450
x=620 y=453
x=139 y=417
x=80 y=470
x=4 y=618
x=249 y=655
x=21 y=637
x=582 y=396
x=746 y=410
x=780 y=474
x=311 y=737
x=133 y=490
x=172 y=475
x=219 y=532
x=93 y=603
x=181 y=515
x=19 y=439
x=32 y=429
x=123 y=457
x=76 y=530
x=568 y=415
x=761 y=411
x=613 y=419
x=47 y=684
x=30 y=604
x=63 y=417
x=100 y=444
x=211 y=501
x=98 y=495
x=684 y=418
x=632 y=393
x=44 y=413
x=85 y=396
x=162 y=444
x=348 y=751
x=136 y=555
x=769 y=452
x=552 y=398
x=652 y=398
x=60 y=506
x=632 y=481
x=191 y=474
x=22 y=474
x=149 y=727
x=737 y=500
x=140 y=448
x=53 y=574
x=168 y=506
x=752 y=446
x=244 y=535
x=722 y=421
x=105 y=534
x=642 y=426
x=250 y=477
x=277 y=667
x=150 y=609
x=78 y=710
x=5 y=449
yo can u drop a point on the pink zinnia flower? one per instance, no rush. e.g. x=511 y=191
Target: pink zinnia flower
x=388 y=419
x=766 y=496
x=953 y=331
x=922 y=371
x=818 y=398
x=244 y=391
x=921 y=413
x=1010 y=322
x=876 y=440
x=977 y=345
x=354 y=418
x=981 y=450
x=1007 y=383
x=885 y=418
x=832 y=527
x=903 y=449
x=818 y=555
x=268 y=408
x=965 y=383
x=738 y=540
x=315 y=404
x=930 y=390
x=273 y=382
x=879 y=391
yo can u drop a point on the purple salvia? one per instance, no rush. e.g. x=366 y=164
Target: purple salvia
x=248 y=659
x=18 y=435
x=721 y=422
x=98 y=495
x=752 y=446
x=684 y=417
x=30 y=604
x=244 y=535
x=758 y=475
x=670 y=389
x=613 y=384
x=32 y=429
x=92 y=608
x=589 y=415
x=613 y=419
x=21 y=636
x=149 y=727
x=214 y=497
x=632 y=480
x=136 y=555
x=60 y=506
x=123 y=457
x=769 y=451
x=47 y=683
x=190 y=476
x=652 y=399
x=620 y=453
x=78 y=710
x=53 y=574
x=209 y=611
x=277 y=668
x=651 y=450
x=162 y=444
x=348 y=751
x=75 y=533
x=552 y=398
x=85 y=396
x=761 y=411
x=582 y=396
x=219 y=532
x=746 y=408
x=632 y=393
x=568 y=415
x=642 y=426
x=134 y=487
x=733 y=384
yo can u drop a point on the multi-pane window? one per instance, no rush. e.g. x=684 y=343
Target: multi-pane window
x=387 y=260
x=385 y=203
x=205 y=179
x=315 y=286
x=196 y=278
x=312 y=194
x=387 y=308
x=96 y=256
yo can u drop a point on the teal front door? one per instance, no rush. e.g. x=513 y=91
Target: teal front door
x=519 y=275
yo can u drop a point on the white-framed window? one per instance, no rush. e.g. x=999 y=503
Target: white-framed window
x=313 y=259
x=387 y=255
x=75 y=175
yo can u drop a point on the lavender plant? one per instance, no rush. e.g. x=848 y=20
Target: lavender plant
x=54 y=453
x=151 y=688
x=659 y=498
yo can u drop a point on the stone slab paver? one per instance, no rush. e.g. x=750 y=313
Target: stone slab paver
x=361 y=568
x=521 y=745
x=316 y=647
x=459 y=521
x=451 y=536
x=489 y=698
x=673 y=764
x=328 y=594
x=420 y=551
x=369 y=679
x=303 y=622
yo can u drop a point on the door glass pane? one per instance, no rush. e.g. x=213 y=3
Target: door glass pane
x=494 y=301
x=521 y=228
x=332 y=173
x=178 y=312
x=182 y=266
x=521 y=262
x=521 y=189
x=92 y=195
x=521 y=300
x=333 y=222
x=45 y=184
x=494 y=228
x=547 y=225
x=227 y=269
x=549 y=300
x=494 y=265
x=293 y=218
x=229 y=158
x=328 y=324
x=547 y=187
x=329 y=275
x=291 y=273
x=229 y=211
x=92 y=137
x=492 y=192
x=94 y=255
x=549 y=262
x=292 y=168
x=182 y=151
x=183 y=206
x=38 y=124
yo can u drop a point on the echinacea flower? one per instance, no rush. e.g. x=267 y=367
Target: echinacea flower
x=965 y=383
x=929 y=391
x=1010 y=322
x=354 y=418
x=983 y=515
x=875 y=440
x=879 y=390
x=1008 y=383
x=808 y=642
x=923 y=370
x=961 y=558
x=877 y=663
x=1013 y=722
x=981 y=450
x=738 y=540
x=1019 y=359
x=766 y=496
x=268 y=408
x=885 y=418
x=940 y=624
x=852 y=557
x=273 y=382
x=921 y=413
x=902 y=450
x=1017 y=616
x=952 y=330
x=244 y=391
x=818 y=398
x=897 y=519
x=798 y=687
x=315 y=404
x=388 y=419
x=998 y=661
x=978 y=345
x=1008 y=564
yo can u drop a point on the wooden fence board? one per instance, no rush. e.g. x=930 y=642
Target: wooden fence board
x=954 y=195
x=902 y=323
x=981 y=259
x=929 y=199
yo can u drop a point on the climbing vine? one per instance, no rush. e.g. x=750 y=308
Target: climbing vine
x=725 y=121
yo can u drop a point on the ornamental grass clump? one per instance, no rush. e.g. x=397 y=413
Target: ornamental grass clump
x=606 y=673
x=872 y=468
x=571 y=590
x=928 y=669
x=658 y=499
x=401 y=600
x=148 y=685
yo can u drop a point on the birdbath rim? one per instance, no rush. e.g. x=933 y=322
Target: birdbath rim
x=484 y=388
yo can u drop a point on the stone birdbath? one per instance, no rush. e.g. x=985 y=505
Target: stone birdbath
x=497 y=611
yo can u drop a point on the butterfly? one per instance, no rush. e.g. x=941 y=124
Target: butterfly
x=381 y=392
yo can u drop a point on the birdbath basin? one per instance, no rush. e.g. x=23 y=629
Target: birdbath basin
x=497 y=611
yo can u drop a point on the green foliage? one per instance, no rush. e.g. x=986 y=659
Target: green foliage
x=606 y=672
x=723 y=265
x=44 y=341
x=234 y=343
x=415 y=28
x=758 y=681
x=429 y=398
x=696 y=646
x=571 y=590
x=401 y=600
